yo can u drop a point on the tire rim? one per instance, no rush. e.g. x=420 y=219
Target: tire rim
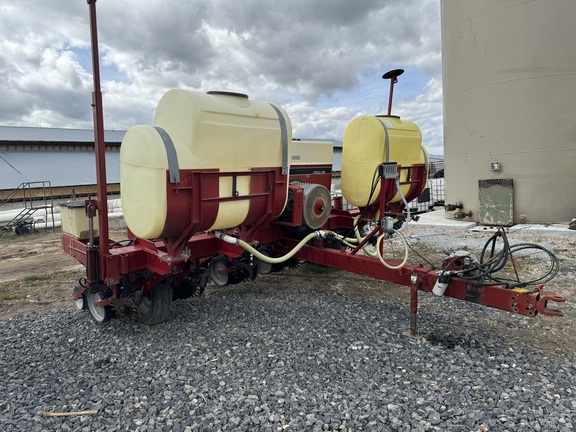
x=97 y=312
x=79 y=302
x=220 y=279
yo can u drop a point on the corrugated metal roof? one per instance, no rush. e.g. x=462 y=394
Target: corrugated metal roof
x=61 y=168
x=55 y=135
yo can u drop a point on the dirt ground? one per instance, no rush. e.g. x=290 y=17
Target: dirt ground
x=36 y=275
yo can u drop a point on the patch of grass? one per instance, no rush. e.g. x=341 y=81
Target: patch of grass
x=8 y=287
x=32 y=278
x=31 y=283
x=11 y=296
x=11 y=237
x=317 y=269
x=567 y=250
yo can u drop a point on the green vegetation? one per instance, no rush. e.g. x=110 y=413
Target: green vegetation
x=11 y=237
x=41 y=277
x=57 y=283
x=8 y=297
x=317 y=269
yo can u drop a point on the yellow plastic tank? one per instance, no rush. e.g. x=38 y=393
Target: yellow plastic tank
x=369 y=141
x=217 y=130
x=75 y=222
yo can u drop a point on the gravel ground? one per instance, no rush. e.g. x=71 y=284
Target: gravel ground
x=277 y=355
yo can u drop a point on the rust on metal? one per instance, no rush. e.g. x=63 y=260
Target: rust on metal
x=99 y=146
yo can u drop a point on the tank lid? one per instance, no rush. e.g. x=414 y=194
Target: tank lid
x=393 y=73
x=227 y=93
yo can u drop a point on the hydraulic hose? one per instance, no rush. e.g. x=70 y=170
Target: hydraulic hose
x=347 y=241
x=358 y=239
x=404 y=225
x=391 y=267
x=496 y=262
x=265 y=258
x=491 y=262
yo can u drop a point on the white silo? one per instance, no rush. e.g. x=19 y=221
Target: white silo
x=509 y=83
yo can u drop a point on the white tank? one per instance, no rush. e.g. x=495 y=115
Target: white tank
x=509 y=84
x=225 y=132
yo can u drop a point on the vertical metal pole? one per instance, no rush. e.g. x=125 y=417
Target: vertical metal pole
x=414 y=284
x=393 y=81
x=99 y=146
x=393 y=77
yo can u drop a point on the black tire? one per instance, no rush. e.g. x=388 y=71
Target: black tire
x=22 y=229
x=156 y=308
x=267 y=268
x=264 y=267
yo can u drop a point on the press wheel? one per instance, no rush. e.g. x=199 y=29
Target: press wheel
x=101 y=314
x=80 y=302
x=215 y=270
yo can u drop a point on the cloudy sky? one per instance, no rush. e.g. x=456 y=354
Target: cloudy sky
x=322 y=60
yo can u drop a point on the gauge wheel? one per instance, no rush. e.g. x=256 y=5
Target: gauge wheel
x=263 y=266
x=101 y=314
x=267 y=268
x=80 y=302
x=216 y=266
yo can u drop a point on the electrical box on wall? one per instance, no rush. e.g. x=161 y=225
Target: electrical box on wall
x=496 y=198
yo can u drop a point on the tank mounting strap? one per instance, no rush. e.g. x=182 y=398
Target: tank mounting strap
x=171 y=154
x=284 y=131
x=387 y=142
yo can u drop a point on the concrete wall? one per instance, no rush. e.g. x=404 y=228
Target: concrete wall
x=509 y=82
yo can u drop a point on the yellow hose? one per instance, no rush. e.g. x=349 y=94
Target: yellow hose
x=300 y=245
x=367 y=251
x=266 y=258
x=391 y=267
x=376 y=253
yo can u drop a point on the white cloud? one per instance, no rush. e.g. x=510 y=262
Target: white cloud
x=426 y=111
x=309 y=121
x=322 y=60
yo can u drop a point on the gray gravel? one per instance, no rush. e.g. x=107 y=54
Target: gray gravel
x=272 y=356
